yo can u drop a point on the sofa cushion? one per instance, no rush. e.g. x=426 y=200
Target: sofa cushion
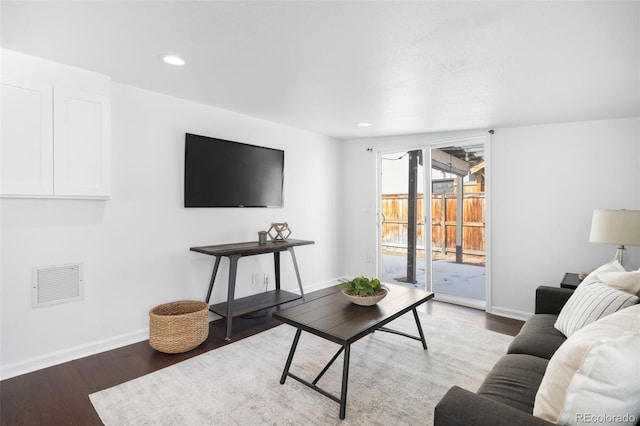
x=514 y=381
x=460 y=407
x=595 y=372
x=538 y=337
x=589 y=303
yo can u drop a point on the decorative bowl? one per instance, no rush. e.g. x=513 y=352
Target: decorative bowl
x=366 y=300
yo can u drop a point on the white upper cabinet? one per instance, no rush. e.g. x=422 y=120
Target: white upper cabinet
x=56 y=130
x=82 y=135
x=26 y=146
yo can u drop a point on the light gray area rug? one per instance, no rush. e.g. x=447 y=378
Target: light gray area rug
x=392 y=380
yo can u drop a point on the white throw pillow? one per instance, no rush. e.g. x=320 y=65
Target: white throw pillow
x=629 y=282
x=590 y=302
x=613 y=266
x=594 y=377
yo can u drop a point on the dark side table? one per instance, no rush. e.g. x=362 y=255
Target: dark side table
x=570 y=280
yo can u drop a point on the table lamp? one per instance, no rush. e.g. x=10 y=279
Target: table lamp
x=619 y=227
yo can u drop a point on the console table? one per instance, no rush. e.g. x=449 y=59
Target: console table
x=257 y=302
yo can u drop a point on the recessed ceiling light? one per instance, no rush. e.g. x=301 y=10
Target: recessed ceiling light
x=173 y=60
x=364 y=124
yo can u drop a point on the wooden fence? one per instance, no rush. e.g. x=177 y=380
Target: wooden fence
x=443 y=224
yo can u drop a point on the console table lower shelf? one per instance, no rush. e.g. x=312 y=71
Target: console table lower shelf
x=255 y=303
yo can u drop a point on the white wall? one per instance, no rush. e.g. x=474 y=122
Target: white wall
x=544 y=182
x=135 y=246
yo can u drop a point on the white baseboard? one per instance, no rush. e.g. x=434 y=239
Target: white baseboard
x=321 y=285
x=510 y=313
x=462 y=301
x=66 y=355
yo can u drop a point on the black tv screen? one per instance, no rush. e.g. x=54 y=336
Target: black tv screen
x=222 y=173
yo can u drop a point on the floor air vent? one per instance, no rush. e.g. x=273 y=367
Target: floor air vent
x=56 y=284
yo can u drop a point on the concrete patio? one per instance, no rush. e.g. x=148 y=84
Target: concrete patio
x=456 y=279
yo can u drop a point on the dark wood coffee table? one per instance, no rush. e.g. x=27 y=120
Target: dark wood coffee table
x=335 y=318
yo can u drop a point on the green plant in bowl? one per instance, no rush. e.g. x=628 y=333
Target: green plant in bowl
x=363 y=286
x=364 y=291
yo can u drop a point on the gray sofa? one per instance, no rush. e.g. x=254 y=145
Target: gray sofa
x=507 y=395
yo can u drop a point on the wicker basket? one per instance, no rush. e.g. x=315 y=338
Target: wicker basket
x=178 y=326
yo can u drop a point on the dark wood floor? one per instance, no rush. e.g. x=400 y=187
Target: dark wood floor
x=59 y=395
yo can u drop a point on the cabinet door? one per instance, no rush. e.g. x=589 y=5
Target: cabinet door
x=27 y=138
x=82 y=135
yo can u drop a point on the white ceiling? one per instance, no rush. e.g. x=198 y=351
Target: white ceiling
x=407 y=67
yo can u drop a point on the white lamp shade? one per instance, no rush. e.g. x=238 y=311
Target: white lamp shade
x=619 y=227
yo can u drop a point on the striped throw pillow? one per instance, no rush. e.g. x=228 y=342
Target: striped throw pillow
x=589 y=303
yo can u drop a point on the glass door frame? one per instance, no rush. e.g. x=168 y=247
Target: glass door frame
x=426 y=148
x=380 y=216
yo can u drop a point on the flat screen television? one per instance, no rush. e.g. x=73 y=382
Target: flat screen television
x=222 y=173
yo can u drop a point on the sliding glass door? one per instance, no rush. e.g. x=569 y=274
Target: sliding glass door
x=442 y=185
